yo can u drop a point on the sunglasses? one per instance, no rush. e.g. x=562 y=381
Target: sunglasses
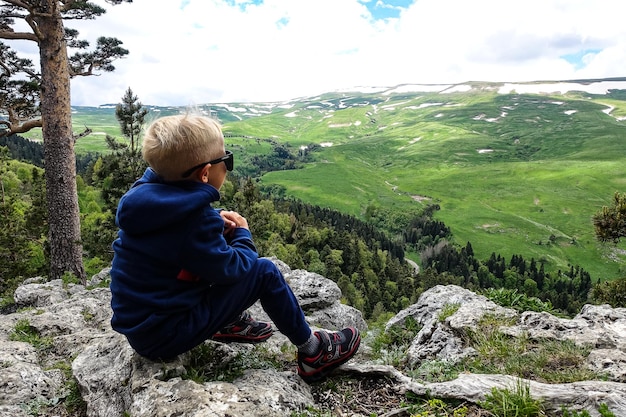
x=228 y=159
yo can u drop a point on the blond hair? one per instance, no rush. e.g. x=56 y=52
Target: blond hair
x=173 y=144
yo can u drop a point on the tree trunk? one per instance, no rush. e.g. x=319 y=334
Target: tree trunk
x=60 y=160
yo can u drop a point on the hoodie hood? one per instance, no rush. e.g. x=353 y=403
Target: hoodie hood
x=169 y=203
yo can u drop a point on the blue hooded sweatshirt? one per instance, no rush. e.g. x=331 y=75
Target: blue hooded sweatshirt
x=170 y=251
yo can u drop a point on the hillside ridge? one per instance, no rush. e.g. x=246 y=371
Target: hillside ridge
x=591 y=85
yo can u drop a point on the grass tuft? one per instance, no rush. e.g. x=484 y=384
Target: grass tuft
x=513 y=403
x=549 y=361
x=209 y=362
x=389 y=346
x=24 y=332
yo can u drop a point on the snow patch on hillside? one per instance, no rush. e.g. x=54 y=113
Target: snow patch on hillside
x=556 y=87
x=608 y=111
x=600 y=87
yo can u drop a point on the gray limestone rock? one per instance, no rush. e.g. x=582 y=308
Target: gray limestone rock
x=71 y=325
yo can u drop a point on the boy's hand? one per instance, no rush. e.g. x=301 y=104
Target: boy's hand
x=232 y=220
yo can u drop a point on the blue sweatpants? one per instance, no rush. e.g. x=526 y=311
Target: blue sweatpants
x=223 y=304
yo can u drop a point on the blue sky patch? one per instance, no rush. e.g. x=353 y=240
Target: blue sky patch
x=386 y=9
x=282 y=22
x=243 y=4
x=576 y=59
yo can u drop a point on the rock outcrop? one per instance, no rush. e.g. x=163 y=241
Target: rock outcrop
x=59 y=346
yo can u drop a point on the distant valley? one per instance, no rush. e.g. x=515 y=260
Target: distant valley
x=515 y=168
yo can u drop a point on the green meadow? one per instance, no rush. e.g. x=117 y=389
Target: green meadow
x=513 y=173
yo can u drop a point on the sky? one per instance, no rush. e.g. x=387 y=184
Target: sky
x=191 y=52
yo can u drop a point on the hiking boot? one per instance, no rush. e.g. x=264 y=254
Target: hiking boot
x=245 y=330
x=335 y=349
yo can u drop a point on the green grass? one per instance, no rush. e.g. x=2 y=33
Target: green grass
x=448 y=310
x=389 y=346
x=548 y=361
x=507 y=208
x=518 y=300
x=515 y=402
x=24 y=332
x=545 y=361
x=603 y=410
x=208 y=362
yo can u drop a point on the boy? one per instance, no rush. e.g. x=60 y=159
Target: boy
x=184 y=272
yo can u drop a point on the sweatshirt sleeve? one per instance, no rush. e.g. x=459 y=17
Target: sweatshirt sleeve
x=209 y=256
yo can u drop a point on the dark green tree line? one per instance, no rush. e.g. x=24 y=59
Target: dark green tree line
x=368 y=266
x=23 y=218
x=23 y=149
x=566 y=290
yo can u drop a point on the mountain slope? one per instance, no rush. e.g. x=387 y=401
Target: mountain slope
x=513 y=173
x=516 y=168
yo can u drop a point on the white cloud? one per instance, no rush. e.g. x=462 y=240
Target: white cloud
x=200 y=51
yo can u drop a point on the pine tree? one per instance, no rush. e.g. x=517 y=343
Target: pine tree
x=30 y=98
x=115 y=172
x=130 y=114
x=610 y=222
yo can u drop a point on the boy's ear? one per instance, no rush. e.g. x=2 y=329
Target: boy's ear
x=203 y=174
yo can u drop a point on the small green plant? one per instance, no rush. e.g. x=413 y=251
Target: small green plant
x=610 y=292
x=71 y=397
x=435 y=371
x=434 y=407
x=521 y=302
x=569 y=413
x=74 y=402
x=286 y=348
x=390 y=345
x=88 y=315
x=329 y=385
x=24 y=332
x=311 y=412
x=63 y=366
x=38 y=406
x=95 y=265
x=448 y=310
x=6 y=301
x=603 y=410
x=69 y=278
x=583 y=413
x=513 y=403
x=210 y=363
